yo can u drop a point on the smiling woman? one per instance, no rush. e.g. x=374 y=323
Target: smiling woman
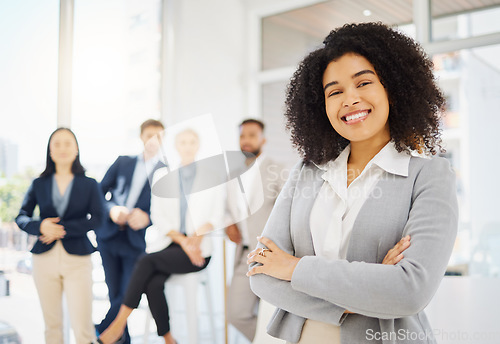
x=337 y=262
x=356 y=97
x=398 y=64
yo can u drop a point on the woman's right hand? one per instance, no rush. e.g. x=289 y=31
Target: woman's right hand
x=394 y=255
x=51 y=230
x=191 y=246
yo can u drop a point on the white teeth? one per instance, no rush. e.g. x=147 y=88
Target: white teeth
x=356 y=116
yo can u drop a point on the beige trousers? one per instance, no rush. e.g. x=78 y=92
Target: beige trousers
x=315 y=332
x=241 y=301
x=54 y=272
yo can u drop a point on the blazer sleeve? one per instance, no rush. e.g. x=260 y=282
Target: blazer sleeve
x=108 y=182
x=278 y=292
x=404 y=289
x=25 y=217
x=79 y=227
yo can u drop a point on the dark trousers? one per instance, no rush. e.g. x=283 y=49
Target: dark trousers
x=118 y=260
x=149 y=276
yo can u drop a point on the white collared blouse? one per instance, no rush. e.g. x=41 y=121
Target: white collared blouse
x=337 y=206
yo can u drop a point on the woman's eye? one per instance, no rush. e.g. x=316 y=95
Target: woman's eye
x=334 y=93
x=364 y=83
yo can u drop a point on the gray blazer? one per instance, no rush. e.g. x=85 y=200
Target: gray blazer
x=388 y=299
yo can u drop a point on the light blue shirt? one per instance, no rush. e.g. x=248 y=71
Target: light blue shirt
x=186 y=179
x=139 y=178
x=59 y=201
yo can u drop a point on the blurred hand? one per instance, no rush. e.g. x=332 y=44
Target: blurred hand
x=233 y=233
x=191 y=245
x=119 y=214
x=138 y=219
x=51 y=230
x=204 y=229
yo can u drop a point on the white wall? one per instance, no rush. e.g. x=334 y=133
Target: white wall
x=209 y=64
x=209 y=60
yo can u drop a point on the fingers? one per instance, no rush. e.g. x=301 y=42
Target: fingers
x=256 y=270
x=138 y=211
x=268 y=243
x=47 y=239
x=197 y=259
x=134 y=224
x=57 y=233
x=137 y=220
x=254 y=252
x=395 y=255
x=256 y=258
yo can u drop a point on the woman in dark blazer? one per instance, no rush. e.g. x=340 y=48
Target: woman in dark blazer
x=70 y=205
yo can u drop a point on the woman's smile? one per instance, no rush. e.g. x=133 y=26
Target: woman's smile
x=355 y=117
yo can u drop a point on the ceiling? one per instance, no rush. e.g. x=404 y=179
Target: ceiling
x=320 y=18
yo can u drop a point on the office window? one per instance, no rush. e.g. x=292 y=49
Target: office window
x=453 y=20
x=29 y=33
x=116 y=77
x=470 y=80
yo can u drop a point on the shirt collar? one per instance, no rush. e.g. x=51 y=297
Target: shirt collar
x=261 y=157
x=339 y=162
x=335 y=173
x=148 y=166
x=388 y=159
x=392 y=161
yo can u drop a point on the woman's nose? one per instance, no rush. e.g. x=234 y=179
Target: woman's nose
x=351 y=97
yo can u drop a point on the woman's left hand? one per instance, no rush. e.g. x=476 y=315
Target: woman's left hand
x=275 y=262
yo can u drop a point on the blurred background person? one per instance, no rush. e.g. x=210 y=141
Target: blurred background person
x=242 y=303
x=176 y=241
x=127 y=202
x=61 y=255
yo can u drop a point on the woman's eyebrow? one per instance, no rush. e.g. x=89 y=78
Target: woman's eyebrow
x=364 y=71
x=330 y=84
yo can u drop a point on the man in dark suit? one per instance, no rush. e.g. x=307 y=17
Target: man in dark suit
x=127 y=192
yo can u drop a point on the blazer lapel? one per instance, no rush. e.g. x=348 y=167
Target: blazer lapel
x=48 y=191
x=128 y=171
x=72 y=194
x=388 y=193
x=300 y=228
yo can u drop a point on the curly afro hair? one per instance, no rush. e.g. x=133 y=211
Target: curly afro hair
x=404 y=69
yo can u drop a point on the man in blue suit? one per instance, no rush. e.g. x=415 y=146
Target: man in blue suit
x=127 y=192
